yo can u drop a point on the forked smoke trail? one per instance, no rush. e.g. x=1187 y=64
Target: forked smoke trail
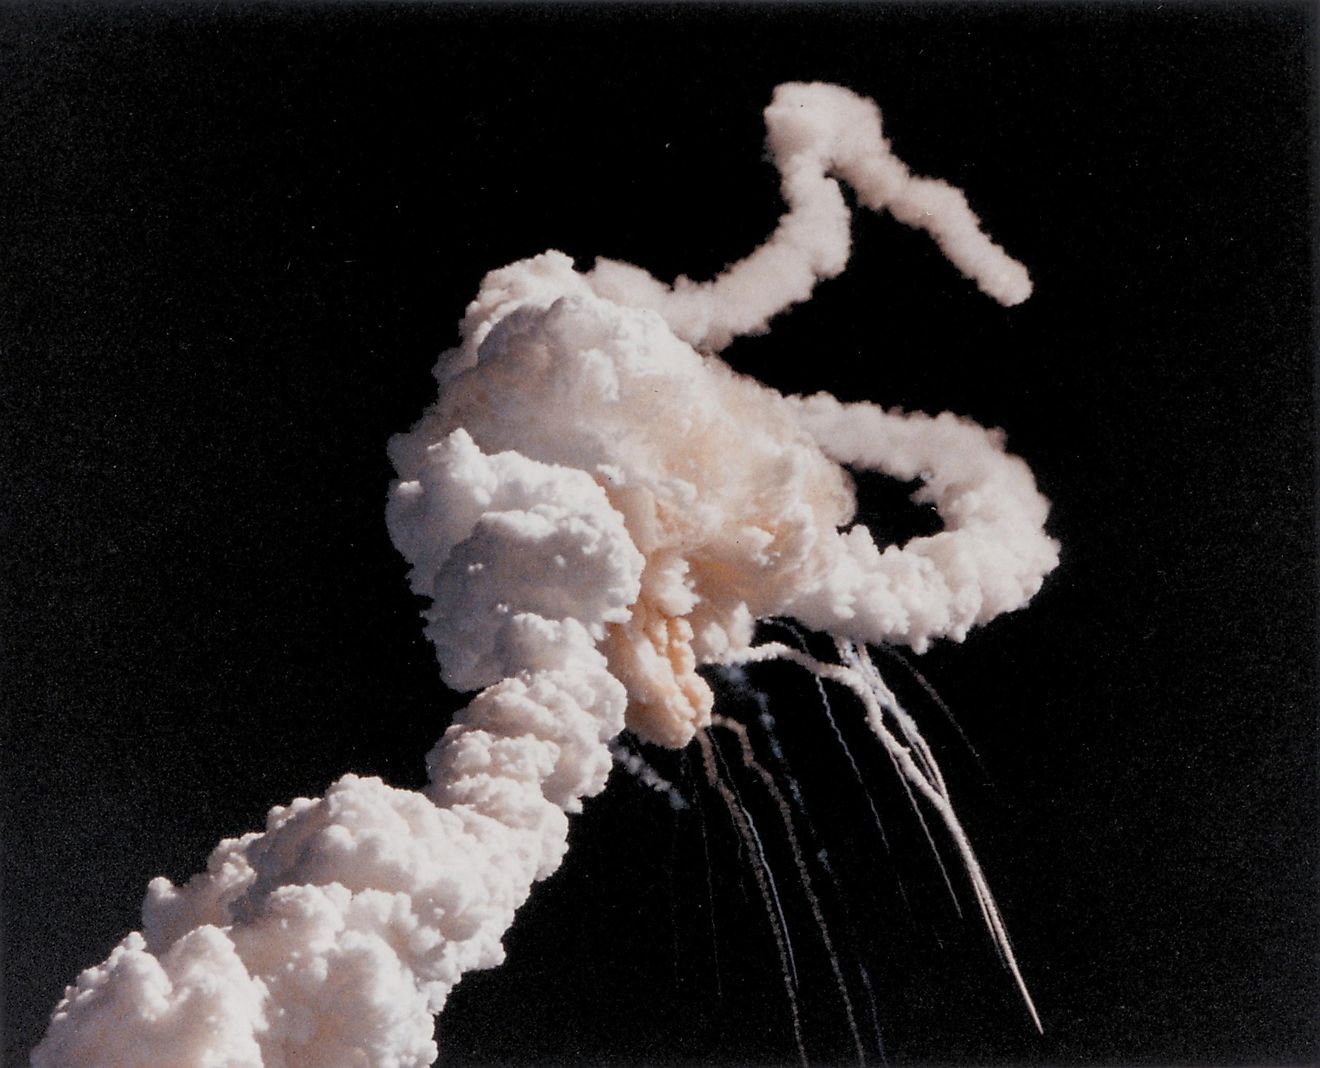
x=596 y=509
x=929 y=785
x=828 y=709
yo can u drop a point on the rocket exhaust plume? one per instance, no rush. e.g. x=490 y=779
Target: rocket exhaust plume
x=597 y=506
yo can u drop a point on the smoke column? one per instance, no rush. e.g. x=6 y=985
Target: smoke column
x=597 y=506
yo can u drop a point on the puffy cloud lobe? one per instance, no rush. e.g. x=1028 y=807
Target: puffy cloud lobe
x=194 y=1005
x=499 y=541
x=596 y=506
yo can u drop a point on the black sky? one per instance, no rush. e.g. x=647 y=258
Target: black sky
x=234 y=241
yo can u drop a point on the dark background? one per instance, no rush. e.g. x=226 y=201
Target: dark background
x=234 y=241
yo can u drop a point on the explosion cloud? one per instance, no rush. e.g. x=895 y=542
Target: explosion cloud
x=597 y=506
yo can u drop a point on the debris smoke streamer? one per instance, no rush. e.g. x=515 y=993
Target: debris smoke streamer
x=596 y=507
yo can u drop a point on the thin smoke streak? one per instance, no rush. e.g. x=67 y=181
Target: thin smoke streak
x=804 y=876
x=760 y=858
x=767 y=721
x=935 y=699
x=823 y=857
x=710 y=898
x=737 y=814
x=848 y=754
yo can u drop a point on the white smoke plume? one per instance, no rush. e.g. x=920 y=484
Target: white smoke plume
x=597 y=506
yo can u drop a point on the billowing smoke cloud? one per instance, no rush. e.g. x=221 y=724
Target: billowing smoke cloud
x=597 y=506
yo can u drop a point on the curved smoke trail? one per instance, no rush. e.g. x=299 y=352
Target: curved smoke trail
x=567 y=504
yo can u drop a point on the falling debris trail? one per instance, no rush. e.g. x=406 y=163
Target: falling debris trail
x=764 y=883
x=748 y=826
x=636 y=766
x=767 y=722
x=804 y=875
x=885 y=696
x=710 y=906
x=595 y=506
x=925 y=831
x=866 y=792
x=935 y=699
x=932 y=791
